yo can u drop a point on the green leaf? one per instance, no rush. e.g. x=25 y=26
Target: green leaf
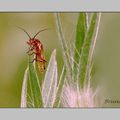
x=86 y=50
x=35 y=86
x=50 y=82
x=60 y=87
x=80 y=37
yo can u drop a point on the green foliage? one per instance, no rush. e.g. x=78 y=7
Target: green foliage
x=50 y=82
x=60 y=87
x=35 y=86
x=66 y=58
x=33 y=93
x=81 y=29
x=48 y=92
x=86 y=50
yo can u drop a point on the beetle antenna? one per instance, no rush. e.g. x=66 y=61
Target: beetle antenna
x=39 y=32
x=24 y=31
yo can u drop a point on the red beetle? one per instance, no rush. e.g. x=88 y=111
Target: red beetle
x=36 y=47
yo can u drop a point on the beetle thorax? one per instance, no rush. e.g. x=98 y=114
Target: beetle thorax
x=36 y=44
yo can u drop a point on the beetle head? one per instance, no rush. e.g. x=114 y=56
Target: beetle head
x=31 y=42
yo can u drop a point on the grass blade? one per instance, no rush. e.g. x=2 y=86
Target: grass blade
x=50 y=82
x=91 y=66
x=80 y=37
x=59 y=89
x=63 y=44
x=86 y=50
x=35 y=86
x=24 y=90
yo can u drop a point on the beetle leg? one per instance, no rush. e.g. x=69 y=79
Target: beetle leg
x=31 y=53
x=40 y=60
x=33 y=60
x=43 y=60
x=30 y=49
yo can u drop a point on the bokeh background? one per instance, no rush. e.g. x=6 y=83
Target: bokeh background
x=13 y=47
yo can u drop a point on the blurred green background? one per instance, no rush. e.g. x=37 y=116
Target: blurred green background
x=13 y=47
